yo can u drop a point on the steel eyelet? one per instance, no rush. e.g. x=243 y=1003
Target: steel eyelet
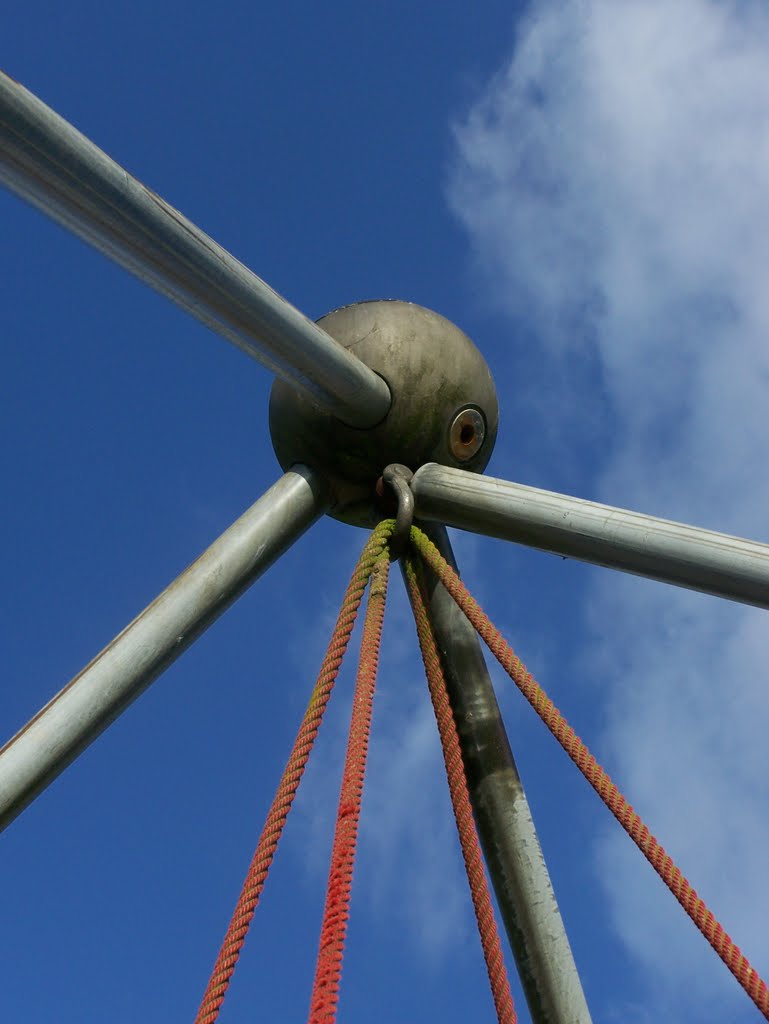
x=398 y=479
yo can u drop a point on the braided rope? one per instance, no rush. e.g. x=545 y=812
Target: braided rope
x=599 y=779
x=328 y=971
x=297 y=761
x=460 y=799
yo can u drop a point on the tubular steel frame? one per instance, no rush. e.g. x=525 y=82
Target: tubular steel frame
x=511 y=848
x=47 y=162
x=50 y=164
x=91 y=701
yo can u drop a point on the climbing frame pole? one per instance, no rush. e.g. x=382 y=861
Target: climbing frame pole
x=50 y=164
x=511 y=848
x=125 y=668
x=644 y=545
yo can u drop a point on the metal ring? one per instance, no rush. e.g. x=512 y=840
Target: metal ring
x=398 y=478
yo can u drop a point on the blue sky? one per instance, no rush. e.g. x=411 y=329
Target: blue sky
x=582 y=187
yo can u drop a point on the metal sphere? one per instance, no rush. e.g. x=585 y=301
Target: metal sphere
x=444 y=406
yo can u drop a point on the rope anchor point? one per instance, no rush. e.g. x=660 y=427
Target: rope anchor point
x=398 y=479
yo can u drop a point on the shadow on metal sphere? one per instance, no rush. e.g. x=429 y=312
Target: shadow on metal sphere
x=444 y=406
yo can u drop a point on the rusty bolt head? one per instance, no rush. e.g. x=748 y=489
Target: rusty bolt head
x=466 y=434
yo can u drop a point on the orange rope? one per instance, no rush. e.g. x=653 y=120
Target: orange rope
x=731 y=955
x=460 y=799
x=281 y=805
x=328 y=970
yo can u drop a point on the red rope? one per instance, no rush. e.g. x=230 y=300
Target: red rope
x=460 y=799
x=328 y=971
x=281 y=805
x=731 y=955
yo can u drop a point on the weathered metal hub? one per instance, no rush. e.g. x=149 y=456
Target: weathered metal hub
x=444 y=406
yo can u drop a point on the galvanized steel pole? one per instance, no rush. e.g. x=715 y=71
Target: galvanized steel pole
x=50 y=164
x=686 y=556
x=511 y=848
x=166 y=628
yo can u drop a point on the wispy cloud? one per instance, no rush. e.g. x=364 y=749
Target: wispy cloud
x=614 y=181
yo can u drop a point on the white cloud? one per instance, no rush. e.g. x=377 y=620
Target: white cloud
x=614 y=181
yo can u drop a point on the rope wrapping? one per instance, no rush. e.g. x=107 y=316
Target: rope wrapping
x=598 y=778
x=292 y=775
